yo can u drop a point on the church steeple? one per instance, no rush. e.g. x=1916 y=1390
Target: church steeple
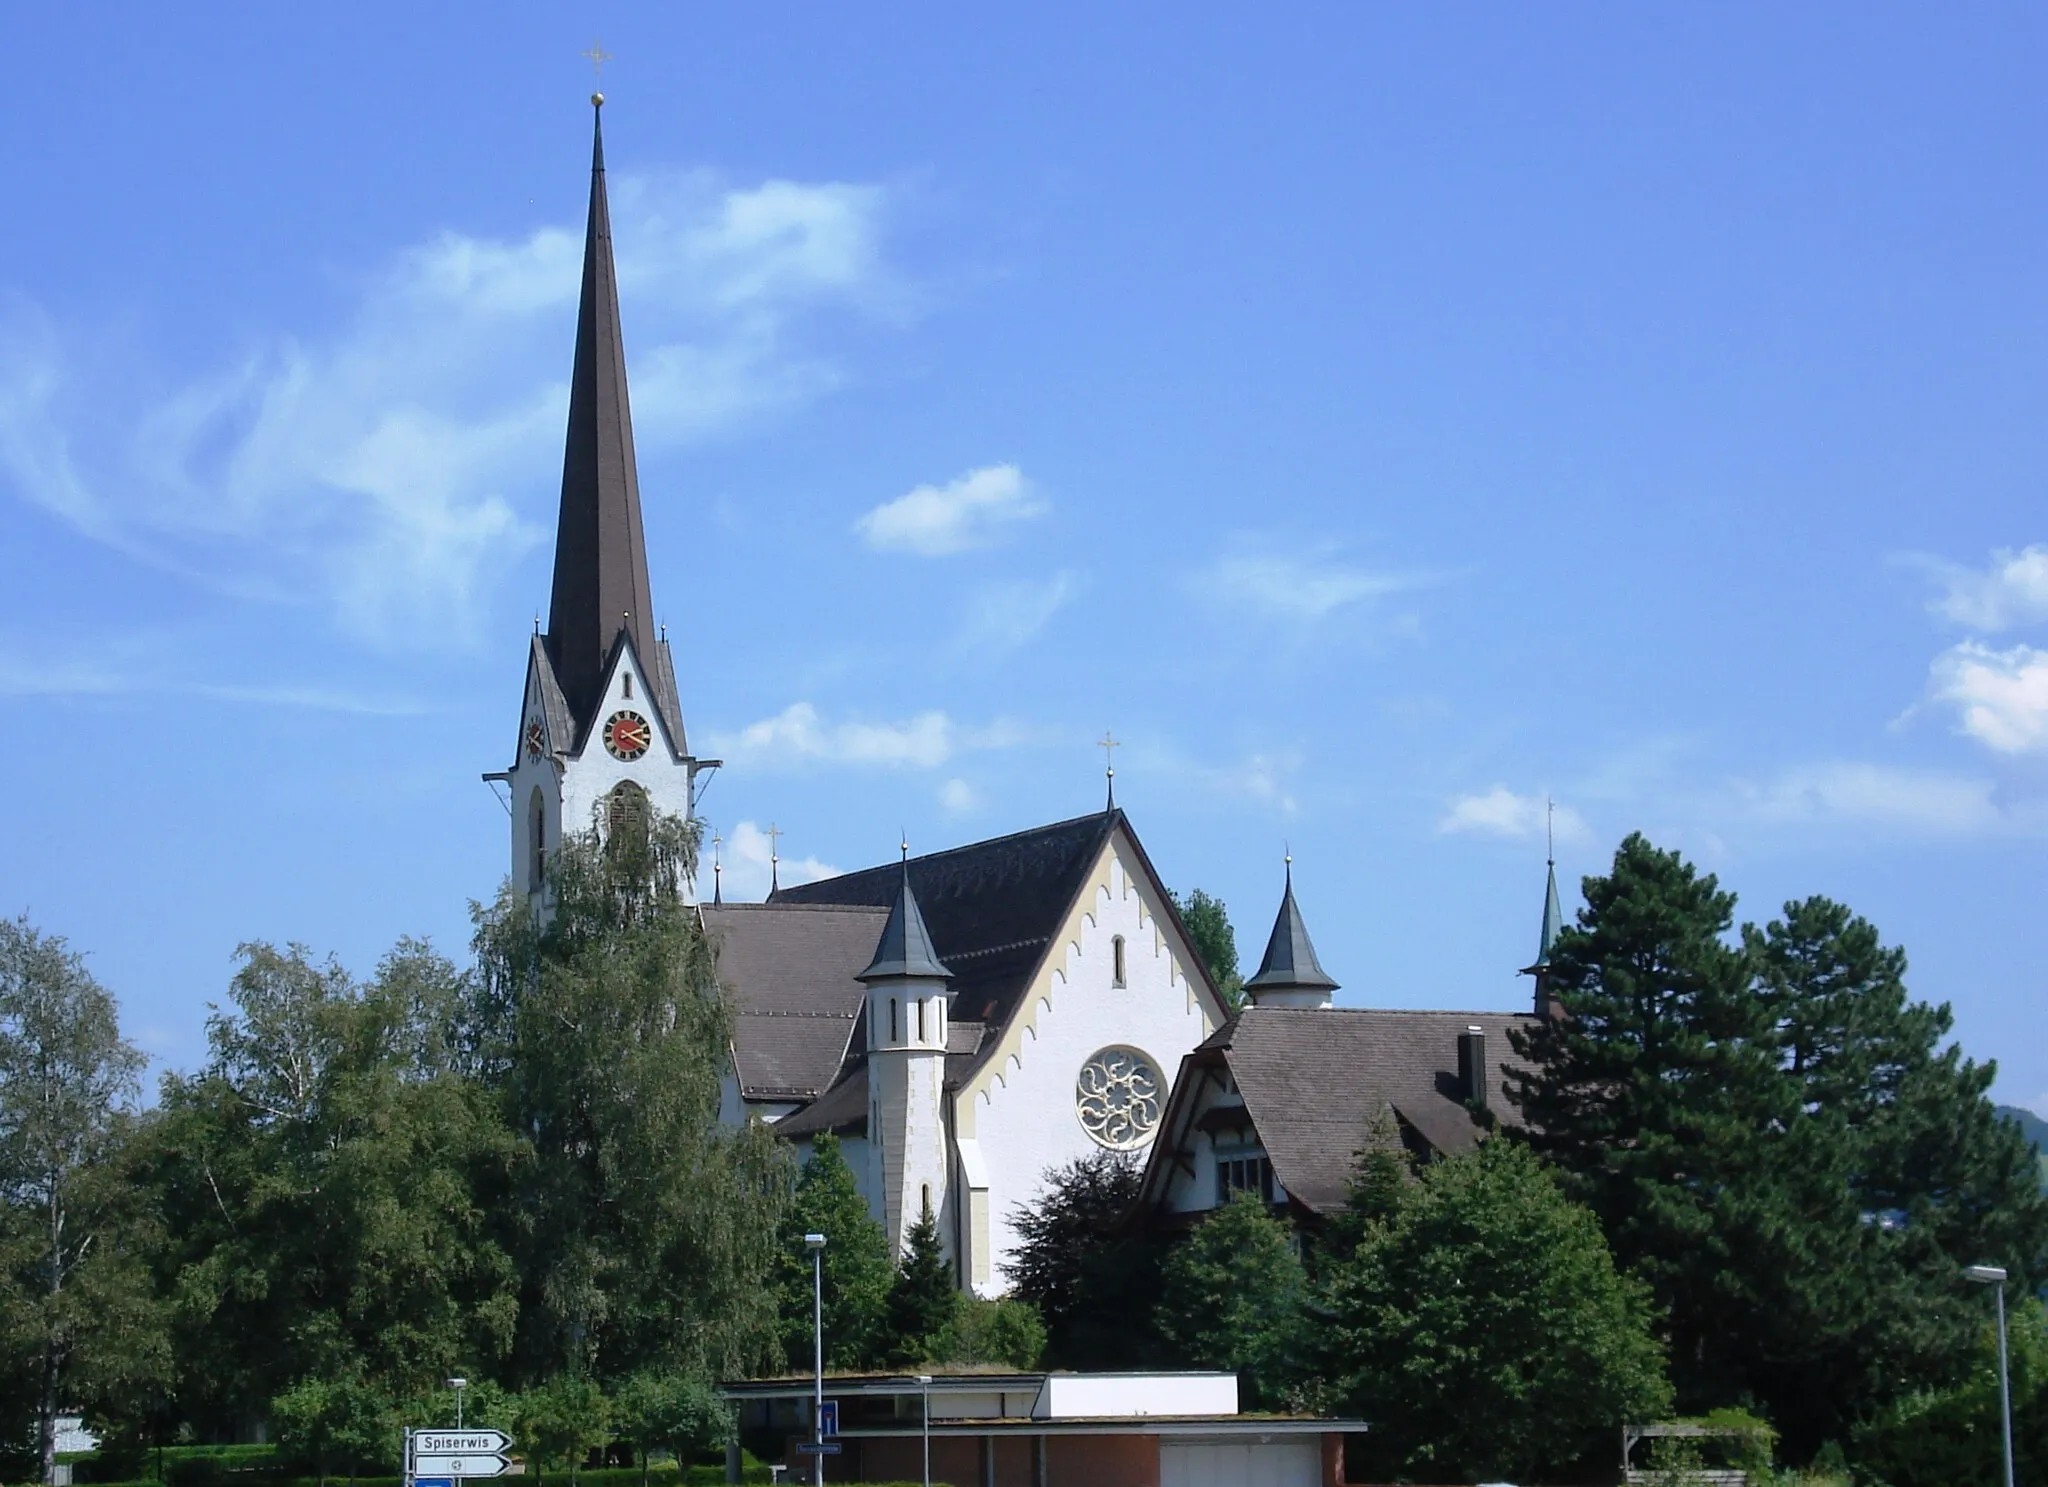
x=601 y=590
x=1553 y=926
x=1290 y=975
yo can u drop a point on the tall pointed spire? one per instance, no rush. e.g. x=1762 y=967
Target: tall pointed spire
x=1553 y=926
x=601 y=589
x=1290 y=975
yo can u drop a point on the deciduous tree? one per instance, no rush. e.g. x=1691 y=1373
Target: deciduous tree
x=857 y=1271
x=1232 y=1296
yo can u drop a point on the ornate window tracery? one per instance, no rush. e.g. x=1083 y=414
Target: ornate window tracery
x=1118 y=1098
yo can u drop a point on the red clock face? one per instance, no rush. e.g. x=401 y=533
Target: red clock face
x=627 y=735
x=536 y=742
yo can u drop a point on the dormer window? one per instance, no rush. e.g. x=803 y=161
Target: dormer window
x=1243 y=1172
x=1116 y=956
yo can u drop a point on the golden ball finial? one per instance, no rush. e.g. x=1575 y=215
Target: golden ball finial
x=597 y=100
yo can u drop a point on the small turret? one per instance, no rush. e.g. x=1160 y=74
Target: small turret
x=1553 y=926
x=906 y=1030
x=1290 y=975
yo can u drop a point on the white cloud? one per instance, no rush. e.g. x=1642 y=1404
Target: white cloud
x=1848 y=793
x=957 y=797
x=150 y=667
x=1299 y=587
x=934 y=520
x=1004 y=617
x=387 y=470
x=2012 y=590
x=2001 y=697
x=798 y=735
x=745 y=853
x=1502 y=813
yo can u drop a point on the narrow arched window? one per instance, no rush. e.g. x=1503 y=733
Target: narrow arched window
x=927 y=1199
x=1116 y=956
x=537 y=844
x=893 y=1034
x=920 y=1019
x=626 y=685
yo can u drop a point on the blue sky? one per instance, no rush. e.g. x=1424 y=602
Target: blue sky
x=1381 y=417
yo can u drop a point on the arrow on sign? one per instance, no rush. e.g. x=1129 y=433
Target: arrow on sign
x=458 y=1442
x=481 y=1465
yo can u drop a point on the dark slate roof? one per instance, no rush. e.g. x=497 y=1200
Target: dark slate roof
x=1290 y=958
x=1313 y=1078
x=601 y=590
x=789 y=971
x=554 y=707
x=990 y=909
x=905 y=948
x=1553 y=922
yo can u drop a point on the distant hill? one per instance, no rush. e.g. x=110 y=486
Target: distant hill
x=2035 y=1129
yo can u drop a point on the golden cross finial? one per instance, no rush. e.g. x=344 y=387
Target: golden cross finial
x=774 y=857
x=598 y=57
x=1108 y=744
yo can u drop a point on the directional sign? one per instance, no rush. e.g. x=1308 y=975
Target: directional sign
x=458 y=1442
x=828 y=1417
x=818 y=1448
x=483 y=1464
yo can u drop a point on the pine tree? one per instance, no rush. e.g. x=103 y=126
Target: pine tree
x=924 y=1301
x=856 y=1270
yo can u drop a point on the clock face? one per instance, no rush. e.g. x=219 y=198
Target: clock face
x=627 y=735
x=536 y=742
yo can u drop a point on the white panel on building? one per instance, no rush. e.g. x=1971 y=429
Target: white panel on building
x=1227 y=1463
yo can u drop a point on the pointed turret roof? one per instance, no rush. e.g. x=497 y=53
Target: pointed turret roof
x=1290 y=959
x=1553 y=922
x=601 y=593
x=905 y=948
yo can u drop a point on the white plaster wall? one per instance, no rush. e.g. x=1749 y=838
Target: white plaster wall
x=906 y=1089
x=1020 y=1106
x=590 y=776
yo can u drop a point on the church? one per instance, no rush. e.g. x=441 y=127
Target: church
x=965 y=1020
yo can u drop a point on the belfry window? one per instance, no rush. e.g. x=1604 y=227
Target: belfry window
x=1116 y=955
x=625 y=814
x=537 y=842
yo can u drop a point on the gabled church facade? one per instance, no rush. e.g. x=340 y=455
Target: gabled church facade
x=962 y=1021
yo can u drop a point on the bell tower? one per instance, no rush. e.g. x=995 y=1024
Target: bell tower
x=601 y=738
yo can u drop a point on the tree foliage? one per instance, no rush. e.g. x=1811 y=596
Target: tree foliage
x=924 y=1299
x=1087 y=1280
x=1208 y=925
x=1482 y=1328
x=1950 y=1436
x=1232 y=1296
x=856 y=1270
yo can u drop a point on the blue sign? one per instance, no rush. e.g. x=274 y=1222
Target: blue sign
x=433 y=1482
x=820 y=1448
x=828 y=1417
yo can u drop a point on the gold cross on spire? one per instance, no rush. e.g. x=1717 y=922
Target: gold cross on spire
x=1108 y=744
x=598 y=57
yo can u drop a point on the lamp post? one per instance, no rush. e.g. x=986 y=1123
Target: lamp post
x=815 y=1243
x=924 y=1420
x=458 y=1385
x=1994 y=1276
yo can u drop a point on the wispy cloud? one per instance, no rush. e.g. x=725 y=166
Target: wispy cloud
x=1299 y=586
x=958 y=798
x=387 y=471
x=2011 y=590
x=1847 y=793
x=1006 y=616
x=972 y=511
x=137 y=670
x=745 y=853
x=798 y=736
x=2000 y=697
x=1500 y=812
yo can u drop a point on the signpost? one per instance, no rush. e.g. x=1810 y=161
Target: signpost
x=443 y=1458
x=818 y=1448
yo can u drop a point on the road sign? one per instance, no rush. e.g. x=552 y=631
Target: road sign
x=458 y=1442
x=433 y=1482
x=828 y=1417
x=483 y=1464
x=818 y=1448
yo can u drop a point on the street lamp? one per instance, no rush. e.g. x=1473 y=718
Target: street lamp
x=458 y=1385
x=1994 y=1276
x=815 y=1243
x=924 y=1417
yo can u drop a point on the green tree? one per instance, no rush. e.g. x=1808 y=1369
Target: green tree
x=924 y=1300
x=561 y=1422
x=857 y=1272
x=1381 y=1174
x=1483 y=1330
x=341 y=1427
x=680 y=1413
x=644 y=1230
x=75 y=1296
x=1067 y=1240
x=1950 y=1436
x=1208 y=925
x=1658 y=1096
x=1003 y=1331
x=329 y=1184
x=1232 y=1297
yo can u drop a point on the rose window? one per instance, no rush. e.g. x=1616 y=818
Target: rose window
x=1118 y=1097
